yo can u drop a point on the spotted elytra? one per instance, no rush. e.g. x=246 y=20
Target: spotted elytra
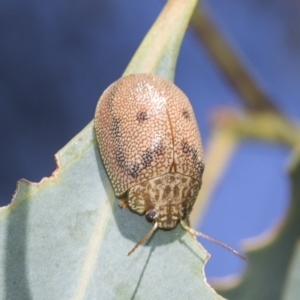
x=151 y=149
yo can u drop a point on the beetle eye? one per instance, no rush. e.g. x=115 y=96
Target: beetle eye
x=150 y=215
x=183 y=212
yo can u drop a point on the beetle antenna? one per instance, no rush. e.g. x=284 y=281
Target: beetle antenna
x=194 y=232
x=146 y=237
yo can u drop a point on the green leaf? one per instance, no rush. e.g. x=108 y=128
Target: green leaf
x=66 y=238
x=159 y=50
x=270 y=257
x=292 y=288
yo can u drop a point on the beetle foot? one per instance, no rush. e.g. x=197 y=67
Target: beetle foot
x=123 y=203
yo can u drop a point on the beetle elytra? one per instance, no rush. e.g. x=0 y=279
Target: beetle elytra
x=151 y=148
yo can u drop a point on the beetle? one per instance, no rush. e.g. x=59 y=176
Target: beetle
x=151 y=148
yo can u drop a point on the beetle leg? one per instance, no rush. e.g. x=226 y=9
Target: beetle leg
x=123 y=203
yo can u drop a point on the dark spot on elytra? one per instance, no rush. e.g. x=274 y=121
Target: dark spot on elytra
x=147 y=158
x=190 y=150
x=194 y=155
x=120 y=157
x=116 y=127
x=185 y=147
x=150 y=154
x=133 y=170
x=186 y=114
x=119 y=153
x=142 y=116
x=158 y=148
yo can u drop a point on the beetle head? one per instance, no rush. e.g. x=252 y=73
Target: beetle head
x=162 y=218
x=166 y=216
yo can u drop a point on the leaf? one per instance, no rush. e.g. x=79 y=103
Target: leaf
x=159 y=50
x=292 y=289
x=66 y=238
x=270 y=255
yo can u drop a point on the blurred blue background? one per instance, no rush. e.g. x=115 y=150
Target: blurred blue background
x=56 y=58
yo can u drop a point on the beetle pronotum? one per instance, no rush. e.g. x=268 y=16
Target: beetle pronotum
x=151 y=148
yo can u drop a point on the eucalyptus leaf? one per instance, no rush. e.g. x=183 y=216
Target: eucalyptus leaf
x=292 y=288
x=66 y=238
x=270 y=257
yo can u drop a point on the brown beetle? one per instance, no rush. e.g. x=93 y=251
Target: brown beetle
x=151 y=148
